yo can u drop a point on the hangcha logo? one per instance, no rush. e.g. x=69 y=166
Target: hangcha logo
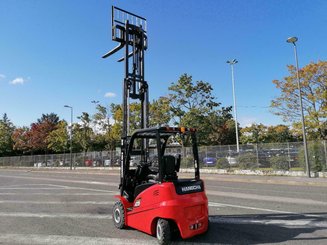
x=191 y=188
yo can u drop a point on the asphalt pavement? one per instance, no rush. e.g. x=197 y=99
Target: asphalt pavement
x=55 y=206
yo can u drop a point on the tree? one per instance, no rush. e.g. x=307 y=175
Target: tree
x=20 y=138
x=35 y=138
x=256 y=133
x=316 y=155
x=159 y=111
x=279 y=133
x=313 y=82
x=101 y=118
x=51 y=118
x=106 y=137
x=116 y=129
x=39 y=132
x=190 y=98
x=190 y=104
x=83 y=133
x=6 y=131
x=222 y=128
x=58 y=138
x=193 y=105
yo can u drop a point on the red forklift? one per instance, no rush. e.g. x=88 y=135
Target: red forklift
x=153 y=198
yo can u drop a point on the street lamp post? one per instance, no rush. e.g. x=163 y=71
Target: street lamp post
x=293 y=41
x=71 y=135
x=232 y=63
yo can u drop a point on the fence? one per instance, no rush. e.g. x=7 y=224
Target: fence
x=278 y=156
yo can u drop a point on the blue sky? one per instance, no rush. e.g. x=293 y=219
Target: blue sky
x=50 y=51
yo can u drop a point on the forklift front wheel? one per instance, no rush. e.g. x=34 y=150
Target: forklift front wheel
x=163 y=231
x=118 y=214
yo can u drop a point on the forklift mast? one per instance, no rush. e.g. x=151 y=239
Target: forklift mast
x=129 y=30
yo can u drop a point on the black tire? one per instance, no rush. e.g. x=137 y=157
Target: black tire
x=118 y=215
x=163 y=232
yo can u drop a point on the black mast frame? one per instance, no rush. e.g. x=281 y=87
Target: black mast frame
x=130 y=31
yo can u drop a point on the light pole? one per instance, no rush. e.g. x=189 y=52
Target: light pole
x=293 y=41
x=232 y=63
x=71 y=135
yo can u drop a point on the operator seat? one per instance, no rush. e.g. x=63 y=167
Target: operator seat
x=169 y=168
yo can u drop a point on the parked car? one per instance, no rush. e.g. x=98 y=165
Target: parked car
x=107 y=163
x=112 y=162
x=64 y=163
x=209 y=161
x=88 y=163
x=48 y=163
x=39 y=164
x=231 y=160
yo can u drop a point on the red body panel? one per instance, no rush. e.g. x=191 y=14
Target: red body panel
x=162 y=201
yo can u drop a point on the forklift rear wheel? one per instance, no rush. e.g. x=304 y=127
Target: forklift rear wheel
x=163 y=231
x=118 y=214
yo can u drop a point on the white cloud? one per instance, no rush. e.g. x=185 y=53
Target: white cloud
x=110 y=95
x=18 y=80
x=2 y=76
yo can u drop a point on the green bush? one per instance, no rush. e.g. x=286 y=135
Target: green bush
x=247 y=161
x=222 y=163
x=279 y=163
x=316 y=157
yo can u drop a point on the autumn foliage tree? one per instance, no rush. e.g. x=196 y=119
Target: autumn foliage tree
x=20 y=138
x=39 y=132
x=313 y=82
x=35 y=138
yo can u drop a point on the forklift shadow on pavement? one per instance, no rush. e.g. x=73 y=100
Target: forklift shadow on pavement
x=262 y=229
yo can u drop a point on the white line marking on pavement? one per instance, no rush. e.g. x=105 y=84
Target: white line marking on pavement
x=57 y=194
x=71 y=240
x=64 y=187
x=28 y=188
x=253 y=189
x=66 y=203
x=267 y=198
x=215 y=204
x=62 y=180
x=55 y=215
x=26 y=185
x=279 y=222
x=85 y=189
